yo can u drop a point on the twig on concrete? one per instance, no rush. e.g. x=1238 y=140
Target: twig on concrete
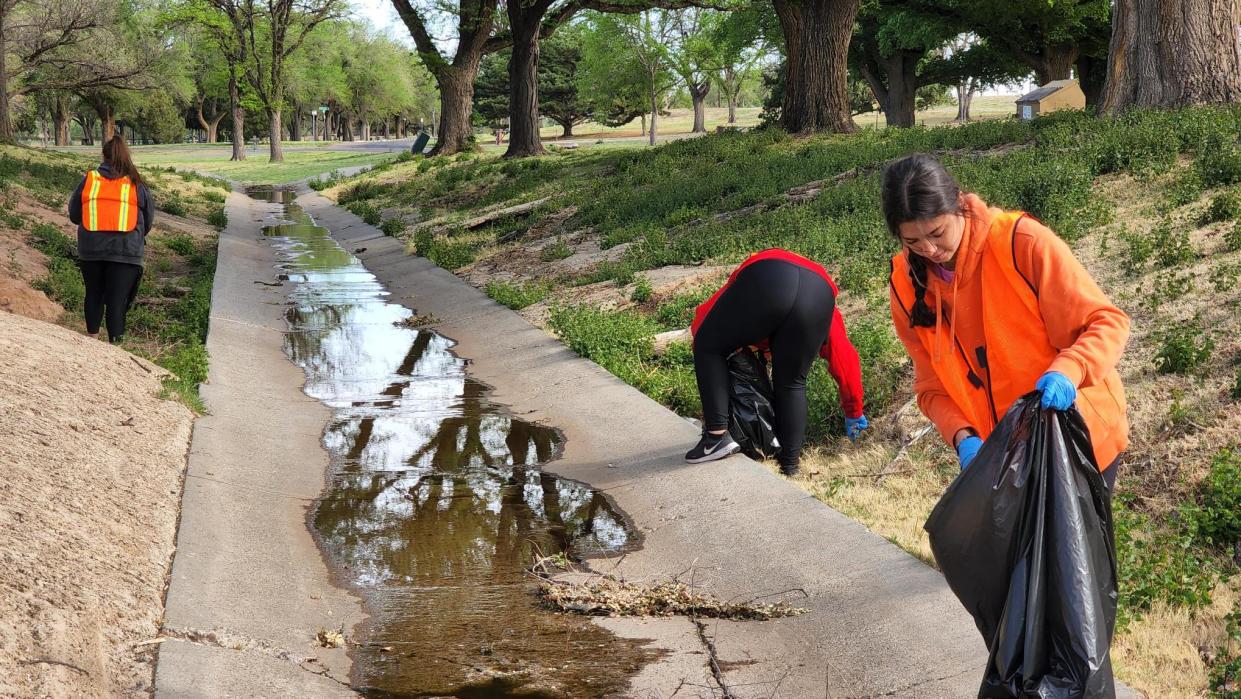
x=50 y=661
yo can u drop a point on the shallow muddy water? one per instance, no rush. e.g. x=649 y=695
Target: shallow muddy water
x=436 y=502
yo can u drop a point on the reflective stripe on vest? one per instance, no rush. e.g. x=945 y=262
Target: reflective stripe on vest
x=109 y=205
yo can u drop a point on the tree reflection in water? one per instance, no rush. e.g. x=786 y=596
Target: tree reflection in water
x=436 y=504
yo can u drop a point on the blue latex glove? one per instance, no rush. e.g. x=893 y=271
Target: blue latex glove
x=1058 y=392
x=967 y=450
x=854 y=427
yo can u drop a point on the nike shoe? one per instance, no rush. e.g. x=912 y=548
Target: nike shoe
x=712 y=447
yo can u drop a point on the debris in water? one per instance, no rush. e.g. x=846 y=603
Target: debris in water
x=331 y=639
x=417 y=321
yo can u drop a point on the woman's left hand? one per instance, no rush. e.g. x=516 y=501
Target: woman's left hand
x=854 y=427
x=1058 y=391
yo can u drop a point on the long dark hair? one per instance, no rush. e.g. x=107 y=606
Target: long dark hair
x=918 y=187
x=116 y=154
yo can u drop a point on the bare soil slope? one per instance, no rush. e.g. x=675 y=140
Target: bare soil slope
x=93 y=463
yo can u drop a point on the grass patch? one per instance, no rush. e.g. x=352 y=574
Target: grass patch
x=517 y=296
x=298 y=163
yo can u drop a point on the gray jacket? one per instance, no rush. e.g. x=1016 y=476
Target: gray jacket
x=112 y=246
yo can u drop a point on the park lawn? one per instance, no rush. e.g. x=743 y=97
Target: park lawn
x=299 y=163
x=624 y=242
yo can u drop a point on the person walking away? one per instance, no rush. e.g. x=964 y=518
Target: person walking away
x=114 y=212
x=783 y=303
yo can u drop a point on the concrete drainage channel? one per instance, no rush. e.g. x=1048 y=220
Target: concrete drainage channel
x=436 y=504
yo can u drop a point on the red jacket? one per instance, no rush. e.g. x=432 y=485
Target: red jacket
x=842 y=358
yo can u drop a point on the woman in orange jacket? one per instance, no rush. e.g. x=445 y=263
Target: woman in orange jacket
x=991 y=305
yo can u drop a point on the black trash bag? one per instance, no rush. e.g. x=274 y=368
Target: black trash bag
x=1024 y=537
x=751 y=419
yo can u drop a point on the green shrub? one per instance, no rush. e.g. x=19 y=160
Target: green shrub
x=188 y=363
x=1139 y=248
x=556 y=251
x=619 y=341
x=63 y=284
x=214 y=196
x=173 y=205
x=181 y=243
x=1157 y=563
x=1172 y=245
x=1184 y=348
x=678 y=312
x=1218 y=516
x=366 y=211
x=392 y=227
x=444 y=251
x=218 y=218
x=1169 y=287
x=1232 y=239
x=642 y=291
x=1219 y=161
x=517 y=296
x=13 y=220
x=1184 y=190
x=366 y=189
x=1224 y=277
x=1226 y=206
x=51 y=242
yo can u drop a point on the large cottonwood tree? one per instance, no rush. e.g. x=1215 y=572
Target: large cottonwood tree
x=1173 y=53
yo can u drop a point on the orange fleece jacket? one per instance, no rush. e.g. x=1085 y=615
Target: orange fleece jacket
x=1077 y=314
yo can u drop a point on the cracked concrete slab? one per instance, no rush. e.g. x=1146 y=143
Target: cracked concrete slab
x=246 y=561
x=881 y=623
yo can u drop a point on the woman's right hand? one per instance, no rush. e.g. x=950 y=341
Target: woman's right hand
x=967 y=449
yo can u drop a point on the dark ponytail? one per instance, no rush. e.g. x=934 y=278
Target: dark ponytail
x=116 y=154
x=918 y=187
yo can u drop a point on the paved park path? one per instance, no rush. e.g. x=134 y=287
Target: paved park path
x=250 y=589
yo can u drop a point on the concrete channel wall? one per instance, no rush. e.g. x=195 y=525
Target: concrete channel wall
x=881 y=623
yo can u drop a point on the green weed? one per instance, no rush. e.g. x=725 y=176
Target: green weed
x=1224 y=277
x=173 y=205
x=1218 y=516
x=517 y=296
x=556 y=251
x=1226 y=206
x=1184 y=348
x=392 y=227
x=642 y=291
x=1232 y=239
x=182 y=244
x=218 y=218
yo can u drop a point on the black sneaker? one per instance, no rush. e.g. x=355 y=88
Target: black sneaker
x=790 y=469
x=712 y=447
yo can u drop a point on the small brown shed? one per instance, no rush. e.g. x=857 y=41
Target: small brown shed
x=1057 y=94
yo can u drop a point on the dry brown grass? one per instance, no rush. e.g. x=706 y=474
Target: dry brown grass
x=1162 y=653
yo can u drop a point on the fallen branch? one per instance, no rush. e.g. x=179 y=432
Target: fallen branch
x=609 y=596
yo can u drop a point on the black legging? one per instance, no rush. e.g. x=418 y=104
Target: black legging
x=110 y=284
x=774 y=300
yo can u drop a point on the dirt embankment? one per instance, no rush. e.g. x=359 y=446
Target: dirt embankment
x=93 y=462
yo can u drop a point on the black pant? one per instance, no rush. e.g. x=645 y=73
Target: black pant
x=773 y=300
x=112 y=285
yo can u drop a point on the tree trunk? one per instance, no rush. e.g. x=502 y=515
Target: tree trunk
x=276 y=149
x=566 y=128
x=60 y=120
x=523 y=83
x=643 y=117
x=456 y=84
x=698 y=93
x=654 y=116
x=1173 y=53
x=295 y=126
x=1091 y=75
x=239 y=116
x=1055 y=63
x=107 y=121
x=6 y=126
x=902 y=73
x=965 y=95
x=732 y=109
x=816 y=37
x=366 y=129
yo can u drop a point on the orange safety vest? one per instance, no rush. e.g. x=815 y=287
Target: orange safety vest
x=984 y=382
x=109 y=205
